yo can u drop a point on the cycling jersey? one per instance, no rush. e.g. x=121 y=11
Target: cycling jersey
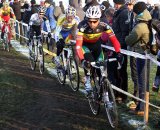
x=64 y=28
x=87 y=36
x=64 y=24
x=35 y=20
x=6 y=14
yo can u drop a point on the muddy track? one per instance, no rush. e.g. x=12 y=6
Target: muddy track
x=32 y=101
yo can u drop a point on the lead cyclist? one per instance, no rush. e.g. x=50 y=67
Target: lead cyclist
x=91 y=34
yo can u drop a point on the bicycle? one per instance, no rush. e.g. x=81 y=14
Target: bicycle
x=69 y=67
x=102 y=92
x=36 y=53
x=6 y=38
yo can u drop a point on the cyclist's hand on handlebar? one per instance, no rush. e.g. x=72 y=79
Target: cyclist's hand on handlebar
x=120 y=59
x=85 y=64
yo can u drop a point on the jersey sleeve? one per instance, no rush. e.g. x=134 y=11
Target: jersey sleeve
x=79 y=43
x=113 y=39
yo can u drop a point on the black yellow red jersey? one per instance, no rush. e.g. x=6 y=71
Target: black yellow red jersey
x=89 y=36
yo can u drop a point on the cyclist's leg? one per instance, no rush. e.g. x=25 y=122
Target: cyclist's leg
x=2 y=33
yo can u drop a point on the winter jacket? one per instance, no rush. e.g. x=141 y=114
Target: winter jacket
x=34 y=8
x=139 y=36
x=57 y=12
x=120 y=25
x=17 y=10
x=26 y=16
x=50 y=15
x=79 y=11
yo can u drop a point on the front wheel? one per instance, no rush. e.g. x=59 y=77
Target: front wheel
x=41 y=60
x=110 y=103
x=6 y=42
x=32 y=56
x=61 y=73
x=73 y=74
x=94 y=97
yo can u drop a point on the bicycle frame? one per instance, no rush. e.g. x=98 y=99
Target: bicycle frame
x=69 y=54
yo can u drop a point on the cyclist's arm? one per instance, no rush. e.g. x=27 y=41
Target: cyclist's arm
x=79 y=43
x=113 y=40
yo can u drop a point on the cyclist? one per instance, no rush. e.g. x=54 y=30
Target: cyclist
x=36 y=22
x=91 y=34
x=6 y=12
x=65 y=30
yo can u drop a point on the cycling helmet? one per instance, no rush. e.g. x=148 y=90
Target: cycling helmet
x=41 y=10
x=94 y=12
x=70 y=11
x=5 y=3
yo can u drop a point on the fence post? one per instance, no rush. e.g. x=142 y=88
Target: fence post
x=146 y=90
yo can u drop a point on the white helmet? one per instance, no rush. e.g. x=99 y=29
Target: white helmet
x=93 y=12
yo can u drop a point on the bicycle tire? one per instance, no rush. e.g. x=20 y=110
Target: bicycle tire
x=110 y=103
x=6 y=42
x=73 y=74
x=61 y=74
x=32 y=57
x=41 y=60
x=93 y=97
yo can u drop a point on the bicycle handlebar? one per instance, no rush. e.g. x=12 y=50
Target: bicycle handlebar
x=102 y=63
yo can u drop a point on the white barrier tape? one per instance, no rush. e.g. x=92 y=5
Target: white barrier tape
x=22 y=36
x=132 y=96
x=134 y=54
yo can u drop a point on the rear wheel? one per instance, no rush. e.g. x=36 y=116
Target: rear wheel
x=41 y=60
x=61 y=74
x=73 y=74
x=93 y=97
x=110 y=103
x=32 y=56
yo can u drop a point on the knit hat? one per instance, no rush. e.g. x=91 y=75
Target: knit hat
x=119 y=1
x=105 y=4
x=33 y=2
x=139 y=7
x=48 y=1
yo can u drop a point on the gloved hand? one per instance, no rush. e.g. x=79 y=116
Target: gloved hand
x=120 y=59
x=85 y=64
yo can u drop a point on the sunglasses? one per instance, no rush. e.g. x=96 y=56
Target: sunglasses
x=93 y=21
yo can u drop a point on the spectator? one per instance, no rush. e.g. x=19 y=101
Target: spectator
x=62 y=7
x=134 y=74
x=121 y=28
x=1 y=4
x=79 y=11
x=17 y=11
x=57 y=12
x=50 y=15
x=34 y=7
x=138 y=38
x=109 y=13
x=27 y=13
x=88 y=3
x=155 y=12
x=104 y=6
